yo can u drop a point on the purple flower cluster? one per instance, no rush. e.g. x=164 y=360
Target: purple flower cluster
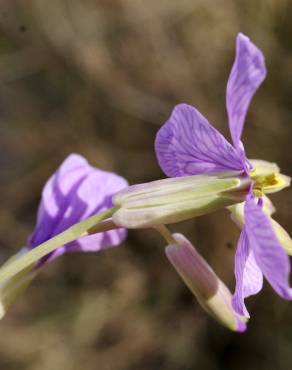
x=210 y=173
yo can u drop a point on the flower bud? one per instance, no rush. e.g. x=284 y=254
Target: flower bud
x=211 y=292
x=176 y=199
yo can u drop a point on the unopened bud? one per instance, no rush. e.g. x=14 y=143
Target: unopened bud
x=211 y=292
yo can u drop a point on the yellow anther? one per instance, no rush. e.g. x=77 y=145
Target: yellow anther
x=267 y=178
x=258 y=192
x=270 y=183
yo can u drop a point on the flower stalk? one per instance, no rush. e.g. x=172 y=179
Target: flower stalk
x=21 y=263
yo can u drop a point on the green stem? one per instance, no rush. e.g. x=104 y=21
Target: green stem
x=105 y=225
x=165 y=233
x=34 y=255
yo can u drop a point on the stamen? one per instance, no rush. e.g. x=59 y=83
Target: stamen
x=268 y=183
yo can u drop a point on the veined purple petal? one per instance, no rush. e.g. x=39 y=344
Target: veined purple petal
x=90 y=243
x=247 y=73
x=73 y=193
x=56 y=196
x=187 y=144
x=252 y=278
x=268 y=252
x=249 y=278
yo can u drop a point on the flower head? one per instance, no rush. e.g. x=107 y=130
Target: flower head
x=73 y=193
x=187 y=144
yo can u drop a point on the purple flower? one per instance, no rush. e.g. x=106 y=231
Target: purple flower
x=75 y=199
x=73 y=193
x=187 y=144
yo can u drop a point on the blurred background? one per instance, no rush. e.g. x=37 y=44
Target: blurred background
x=99 y=77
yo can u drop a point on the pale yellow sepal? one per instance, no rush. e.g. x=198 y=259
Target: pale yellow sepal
x=263 y=168
x=283 y=237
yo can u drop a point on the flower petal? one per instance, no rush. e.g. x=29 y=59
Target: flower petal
x=56 y=196
x=252 y=278
x=268 y=252
x=249 y=278
x=187 y=144
x=90 y=243
x=237 y=215
x=247 y=74
x=237 y=211
x=75 y=192
x=98 y=242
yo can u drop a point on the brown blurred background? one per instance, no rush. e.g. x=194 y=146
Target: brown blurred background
x=99 y=77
